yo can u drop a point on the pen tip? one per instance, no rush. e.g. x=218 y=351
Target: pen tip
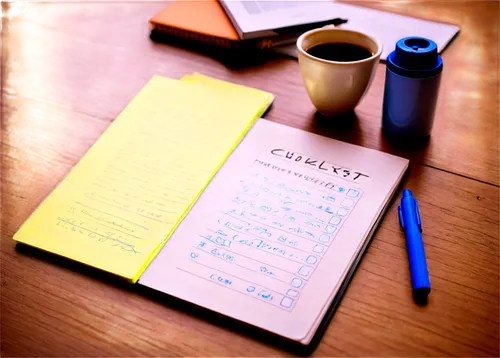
x=406 y=193
x=420 y=295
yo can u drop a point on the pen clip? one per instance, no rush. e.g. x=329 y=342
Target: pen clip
x=400 y=214
x=417 y=212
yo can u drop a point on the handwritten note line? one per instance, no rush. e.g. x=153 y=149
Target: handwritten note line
x=117 y=180
x=260 y=238
x=247 y=234
x=256 y=248
x=118 y=217
x=270 y=252
x=147 y=172
x=124 y=209
x=230 y=288
x=106 y=237
x=105 y=182
x=280 y=217
x=254 y=259
x=152 y=144
x=144 y=174
x=110 y=227
x=138 y=164
x=239 y=278
x=152 y=183
x=152 y=192
x=315 y=169
x=114 y=200
x=244 y=267
x=102 y=218
x=309 y=182
x=312 y=188
x=272 y=227
x=301 y=203
x=145 y=161
x=130 y=199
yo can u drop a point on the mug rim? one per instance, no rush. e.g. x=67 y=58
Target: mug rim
x=303 y=52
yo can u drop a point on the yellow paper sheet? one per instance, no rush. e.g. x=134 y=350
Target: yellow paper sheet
x=199 y=79
x=126 y=196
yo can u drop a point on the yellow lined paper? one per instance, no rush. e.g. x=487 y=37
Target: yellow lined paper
x=124 y=199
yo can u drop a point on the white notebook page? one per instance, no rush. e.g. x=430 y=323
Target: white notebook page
x=274 y=233
x=260 y=18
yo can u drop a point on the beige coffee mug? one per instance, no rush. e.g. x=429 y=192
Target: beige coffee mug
x=336 y=87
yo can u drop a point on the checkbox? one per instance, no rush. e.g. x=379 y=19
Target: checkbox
x=305 y=271
x=318 y=249
x=330 y=229
x=324 y=238
x=347 y=203
x=335 y=220
x=353 y=193
x=286 y=302
x=297 y=282
x=342 y=212
x=311 y=260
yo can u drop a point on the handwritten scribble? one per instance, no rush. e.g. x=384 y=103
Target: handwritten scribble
x=95 y=232
x=274 y=233
x=322 y=165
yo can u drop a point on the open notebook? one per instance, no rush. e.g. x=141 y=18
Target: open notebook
x=189 y=194
x=275 y=236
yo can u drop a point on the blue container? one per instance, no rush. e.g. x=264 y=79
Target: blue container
x=412 y=82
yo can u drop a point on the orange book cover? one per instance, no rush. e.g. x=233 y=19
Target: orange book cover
x=203 y=20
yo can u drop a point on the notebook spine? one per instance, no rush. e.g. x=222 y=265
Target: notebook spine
x=211 y=40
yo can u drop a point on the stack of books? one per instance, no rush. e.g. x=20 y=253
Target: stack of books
x=250 y=25
x=220 y=24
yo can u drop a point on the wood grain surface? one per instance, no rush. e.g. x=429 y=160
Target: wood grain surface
x=68 y=69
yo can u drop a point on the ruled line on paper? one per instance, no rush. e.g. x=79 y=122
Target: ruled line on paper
x=274 y=235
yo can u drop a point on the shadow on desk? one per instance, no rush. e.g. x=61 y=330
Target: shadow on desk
x=169 y=301
x=347 y=128
x=203 y=313
x=231 y=58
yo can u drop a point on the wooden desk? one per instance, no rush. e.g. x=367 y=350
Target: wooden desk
x=69 y=68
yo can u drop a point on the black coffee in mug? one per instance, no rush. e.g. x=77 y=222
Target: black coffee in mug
x=340 y=52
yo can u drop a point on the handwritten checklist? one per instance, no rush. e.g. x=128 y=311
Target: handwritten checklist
x=268 y=226
x=271 y=236
x=275 y=234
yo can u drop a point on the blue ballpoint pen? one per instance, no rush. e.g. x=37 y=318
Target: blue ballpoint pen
x=409 y=218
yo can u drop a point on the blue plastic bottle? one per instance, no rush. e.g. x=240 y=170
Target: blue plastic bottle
x=412 y=82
